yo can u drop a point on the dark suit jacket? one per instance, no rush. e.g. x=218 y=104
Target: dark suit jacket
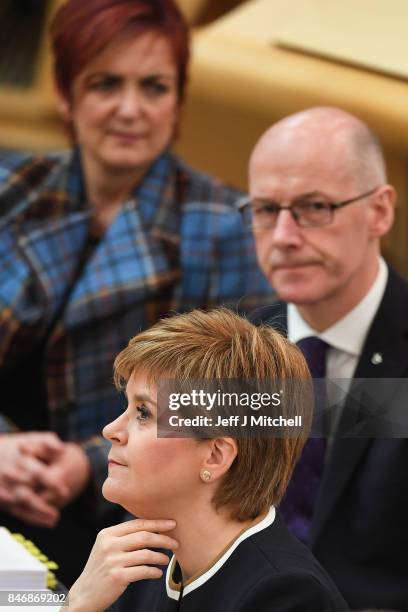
x=270 y=571
x=359 y=531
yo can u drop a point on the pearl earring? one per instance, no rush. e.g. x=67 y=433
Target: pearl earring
x=205 y=475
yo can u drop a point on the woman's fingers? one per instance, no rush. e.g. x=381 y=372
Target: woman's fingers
x=137 y=535
x=144 y=557
x=33 y=469
x=147 y=539
x=5 y=496
x=12 y=475
x=33 y=507
x=153 y=525
x=122 y=555
x=126 y=575
x=34 y=518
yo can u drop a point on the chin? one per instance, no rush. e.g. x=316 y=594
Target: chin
x=297 y=294
x=118 y=493
x=125 y=156
x=111 y=491
x=115 y=494
x=126 y=162
x=297 y=288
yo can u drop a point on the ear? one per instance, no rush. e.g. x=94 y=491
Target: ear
x=220 y=456
x=382 y=210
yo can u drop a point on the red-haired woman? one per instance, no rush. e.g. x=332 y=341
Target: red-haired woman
x=93 y=245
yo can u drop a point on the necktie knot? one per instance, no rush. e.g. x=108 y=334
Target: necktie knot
x=314 y=350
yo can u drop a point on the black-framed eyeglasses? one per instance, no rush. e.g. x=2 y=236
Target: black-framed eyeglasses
x=263 y=214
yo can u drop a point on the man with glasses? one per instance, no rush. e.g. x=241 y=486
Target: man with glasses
x=319 y=204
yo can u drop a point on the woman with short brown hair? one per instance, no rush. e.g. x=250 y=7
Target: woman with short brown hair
x=210 y=500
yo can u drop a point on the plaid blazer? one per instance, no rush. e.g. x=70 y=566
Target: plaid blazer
x=186 y=249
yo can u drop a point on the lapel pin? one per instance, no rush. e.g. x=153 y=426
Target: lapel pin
x=376 y=358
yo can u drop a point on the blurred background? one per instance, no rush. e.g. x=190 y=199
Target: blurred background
x=254 y=61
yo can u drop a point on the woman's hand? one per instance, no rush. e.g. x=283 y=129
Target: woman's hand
x=25 y=473
x=121 y=555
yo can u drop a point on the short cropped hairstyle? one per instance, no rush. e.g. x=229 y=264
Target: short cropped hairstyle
x=81 y=29
x=216 y=345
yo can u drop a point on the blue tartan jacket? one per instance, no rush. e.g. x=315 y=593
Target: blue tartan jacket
x=178 y=243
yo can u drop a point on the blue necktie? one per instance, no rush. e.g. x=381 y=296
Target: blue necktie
x=298 y=504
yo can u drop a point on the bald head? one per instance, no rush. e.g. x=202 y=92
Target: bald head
x=325 y=132
x=323 y=254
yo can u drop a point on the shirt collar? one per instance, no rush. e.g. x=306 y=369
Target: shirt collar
x=174 y=590
x=350 y=332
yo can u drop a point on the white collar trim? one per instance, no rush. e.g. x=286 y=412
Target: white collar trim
x=173 y=594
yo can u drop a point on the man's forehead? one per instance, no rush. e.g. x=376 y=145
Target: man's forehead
x=312 y=124
x=320 y=138
x=301 y=170
x=302 y=145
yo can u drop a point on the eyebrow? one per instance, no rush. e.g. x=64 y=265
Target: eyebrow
x=101 y=75
x=312 y=194
x=160 y=75
x=143 y=397
x=115 y=75
x=309 y=194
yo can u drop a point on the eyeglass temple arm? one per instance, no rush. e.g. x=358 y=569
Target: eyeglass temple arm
x=351 y=200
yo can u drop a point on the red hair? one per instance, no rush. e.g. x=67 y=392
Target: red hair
x=82 y=29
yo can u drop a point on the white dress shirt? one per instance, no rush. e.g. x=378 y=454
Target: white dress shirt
x=345 y=338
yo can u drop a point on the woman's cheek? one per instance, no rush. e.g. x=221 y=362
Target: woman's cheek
x=165 y=453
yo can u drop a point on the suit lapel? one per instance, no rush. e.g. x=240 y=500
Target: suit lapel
x=385 y=355
x=128 y=266
x=54 y=249
x=136 y=259
x=52 y=232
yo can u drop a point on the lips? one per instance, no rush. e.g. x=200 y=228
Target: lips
x=294 y=266
x=112 y=461
x=127 y=135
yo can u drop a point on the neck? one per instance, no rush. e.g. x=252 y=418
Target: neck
x=325 y=313
x=203 y=534
x=107 y=188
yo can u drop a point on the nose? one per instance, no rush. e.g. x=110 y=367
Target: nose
x=286 y=233
x=130 y=103
x=117 y=430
